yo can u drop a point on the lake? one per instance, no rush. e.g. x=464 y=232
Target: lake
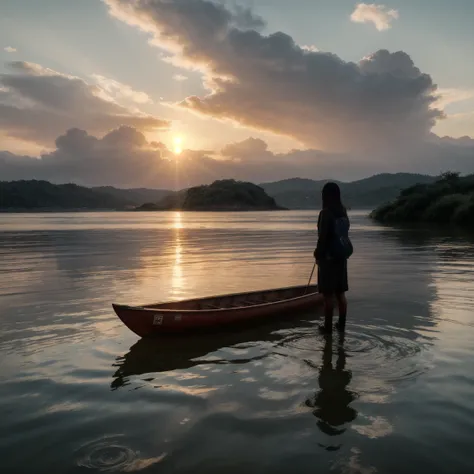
x=79 y=392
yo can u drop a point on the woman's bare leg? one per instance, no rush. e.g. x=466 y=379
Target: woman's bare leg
x=342 y=306
x=328 y=312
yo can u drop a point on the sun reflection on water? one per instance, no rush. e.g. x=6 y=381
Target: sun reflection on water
x=177 y=220
x=177 y=271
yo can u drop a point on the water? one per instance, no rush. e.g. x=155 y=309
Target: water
x=80 y=393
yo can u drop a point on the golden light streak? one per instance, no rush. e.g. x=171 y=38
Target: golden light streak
x=177 y=144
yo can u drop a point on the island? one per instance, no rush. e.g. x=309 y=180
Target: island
x=221 y=195
x=449 y=200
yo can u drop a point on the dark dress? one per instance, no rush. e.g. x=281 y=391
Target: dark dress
x=332 y=273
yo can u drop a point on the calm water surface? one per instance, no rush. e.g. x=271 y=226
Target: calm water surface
x=80 y=393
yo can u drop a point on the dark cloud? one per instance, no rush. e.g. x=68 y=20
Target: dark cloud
x=270 y=83
x=434 y=156
x=37 y=104
x=124 y=158
x=466 y=142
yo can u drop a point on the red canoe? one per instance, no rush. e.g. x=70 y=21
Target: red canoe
x=216 y=311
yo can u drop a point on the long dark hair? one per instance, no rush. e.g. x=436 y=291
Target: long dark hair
x=331 y=196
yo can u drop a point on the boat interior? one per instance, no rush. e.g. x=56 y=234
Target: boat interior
x=238 y=300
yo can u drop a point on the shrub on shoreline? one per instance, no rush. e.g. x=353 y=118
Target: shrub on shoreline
x=448 y=200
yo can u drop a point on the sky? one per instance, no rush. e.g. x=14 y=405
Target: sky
x=172 y=93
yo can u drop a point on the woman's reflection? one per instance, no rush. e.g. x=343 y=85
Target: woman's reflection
x=331 y=402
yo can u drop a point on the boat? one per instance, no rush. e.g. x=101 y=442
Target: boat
x=216 y=311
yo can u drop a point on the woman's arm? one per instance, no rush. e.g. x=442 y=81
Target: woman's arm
x=323 y=235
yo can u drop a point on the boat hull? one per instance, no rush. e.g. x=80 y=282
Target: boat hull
x=216 y=312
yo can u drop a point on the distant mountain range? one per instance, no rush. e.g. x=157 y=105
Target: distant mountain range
x=295 y=193
x=299 y=193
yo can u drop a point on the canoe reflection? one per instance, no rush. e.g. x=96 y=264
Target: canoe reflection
x=166 y=353
x=331 y=402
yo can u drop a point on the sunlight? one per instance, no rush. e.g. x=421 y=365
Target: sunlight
x=177 y=144
x=177 y=285
x=177 y=221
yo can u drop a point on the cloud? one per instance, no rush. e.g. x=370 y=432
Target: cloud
x=10 y=49
x=380 y=15
x=465 y=141
x=180 y=77
x=37 y=104
x=120 y=91
x=251 y=147
x=447 y=96
x=124 y=158
x=310 y=48
x=270 y=83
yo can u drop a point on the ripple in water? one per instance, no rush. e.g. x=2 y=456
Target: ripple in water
x=106 y=455
x=391 y=356
x=388 y=353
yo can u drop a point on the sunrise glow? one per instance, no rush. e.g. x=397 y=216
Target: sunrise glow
x=177 y=144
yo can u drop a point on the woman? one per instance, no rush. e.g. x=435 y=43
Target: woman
x=331 y=254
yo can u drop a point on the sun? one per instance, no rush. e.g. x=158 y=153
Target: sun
x=177 y=144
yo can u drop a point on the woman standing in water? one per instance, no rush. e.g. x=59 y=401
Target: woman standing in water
x=332 y=251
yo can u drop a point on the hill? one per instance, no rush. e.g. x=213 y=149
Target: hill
x=449 y=200
x=42 y=195
x=297 y=193
x=291 y=185
x=222 y=195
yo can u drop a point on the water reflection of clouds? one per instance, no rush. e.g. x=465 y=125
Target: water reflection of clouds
x=353 y=465
x=454 y=283
x=376 y=427
x=390 y=281
x=401 y=288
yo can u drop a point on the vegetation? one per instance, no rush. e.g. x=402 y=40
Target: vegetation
x=173 y=201
x=42 y=195
x=295 y=193
x=223 y=195
x=449 y=200
x=366 y=193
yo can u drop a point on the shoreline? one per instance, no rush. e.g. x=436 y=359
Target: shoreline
x=62 y=211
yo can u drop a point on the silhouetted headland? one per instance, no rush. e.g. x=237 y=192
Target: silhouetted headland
x=222 y=195
x=449 y=200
